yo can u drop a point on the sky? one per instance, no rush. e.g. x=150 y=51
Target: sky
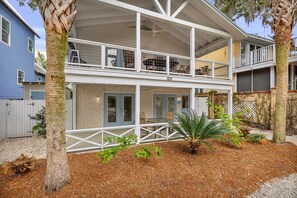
x=35 y=21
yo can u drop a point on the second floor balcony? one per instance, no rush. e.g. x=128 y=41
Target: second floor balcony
x=85 y=54
x=262 y=56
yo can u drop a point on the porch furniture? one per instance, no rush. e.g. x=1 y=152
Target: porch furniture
x=74 y=54
x=142 y=118
x=184 y=69
x=156 y=120
x=203 y=71
x=159 y=64
x=169 y=116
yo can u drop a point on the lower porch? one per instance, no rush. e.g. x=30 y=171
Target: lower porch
x=102 y=110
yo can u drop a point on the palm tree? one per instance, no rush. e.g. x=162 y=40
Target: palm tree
x=58 y=17
x=196 y=129
x=280 y=15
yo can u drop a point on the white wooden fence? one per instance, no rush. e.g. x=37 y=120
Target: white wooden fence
x=14 y=119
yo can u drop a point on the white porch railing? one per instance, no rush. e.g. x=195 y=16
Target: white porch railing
x=89 y=139
x=93 y=139
x=91 y=54
x=157 y=132
x=211 y=69
x=257 y=56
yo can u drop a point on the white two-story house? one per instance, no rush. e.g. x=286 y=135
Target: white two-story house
x=133 y=65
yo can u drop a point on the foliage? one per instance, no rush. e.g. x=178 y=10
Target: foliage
x=21 y=166
x=40 y=127
x=196 y=129
x=124 y=142
x=256 y=137
x=41 y=60
x=233 y=123
x=146 y=152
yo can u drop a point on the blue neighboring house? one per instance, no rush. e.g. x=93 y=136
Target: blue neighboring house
x=17 y=40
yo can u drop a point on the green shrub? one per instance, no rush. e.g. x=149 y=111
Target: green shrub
x=255 y=138
x=146 y=152
x=40 y=126
x=196 y=129
x=124 y=142
x=234 y=137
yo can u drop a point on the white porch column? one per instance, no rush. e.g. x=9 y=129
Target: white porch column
x=192 y=51
x=235 y=82
x=74 y=106
x=230 y=102
x=272 y=77
x=291 y=77
x=138 y=43
x=230 y=55
x=137 y=113
x=103 y=56
x=192 y=95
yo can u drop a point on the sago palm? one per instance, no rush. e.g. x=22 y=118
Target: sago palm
x=196 y=129
x=280 y=15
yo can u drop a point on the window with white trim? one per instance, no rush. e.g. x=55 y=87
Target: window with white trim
x=39 y=79
x=20 y=76
x=30 y=45
x=5 y=30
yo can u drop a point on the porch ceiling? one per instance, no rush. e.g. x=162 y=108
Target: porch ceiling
x=93 y=13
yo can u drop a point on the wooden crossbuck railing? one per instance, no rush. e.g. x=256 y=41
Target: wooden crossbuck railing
x=89 y=139
x=157 y=132
x=93 y=139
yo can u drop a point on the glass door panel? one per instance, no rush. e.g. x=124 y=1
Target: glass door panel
x=185 y=102
x=159 y=107
x=164 y=103
x=127 y=108
x=112 y=109
x=119 y=109
x=170 y=104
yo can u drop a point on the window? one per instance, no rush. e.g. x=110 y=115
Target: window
x=30 y=45
x=20 y=76
x=39 y=79
x=37 y=95
x=5 y=31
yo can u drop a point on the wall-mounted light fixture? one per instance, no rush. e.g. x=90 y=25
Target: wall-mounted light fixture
x=98 y=99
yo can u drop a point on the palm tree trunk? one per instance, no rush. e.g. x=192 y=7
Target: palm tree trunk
x=283 y=12
x=57 y=174
x=279 y=132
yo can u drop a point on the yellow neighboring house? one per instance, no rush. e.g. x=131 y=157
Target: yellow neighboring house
x=254 y=64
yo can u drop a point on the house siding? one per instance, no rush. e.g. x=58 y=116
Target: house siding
x=14 y=57
x=90 y=111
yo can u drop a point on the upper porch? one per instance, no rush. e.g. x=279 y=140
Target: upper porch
x=150 y=39
x=257 y=57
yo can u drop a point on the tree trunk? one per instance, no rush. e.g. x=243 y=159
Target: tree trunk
x=282 y=12
x=57 y=174
x=279 y=132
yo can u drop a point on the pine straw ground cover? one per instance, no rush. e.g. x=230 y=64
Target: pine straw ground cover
x=225 y=172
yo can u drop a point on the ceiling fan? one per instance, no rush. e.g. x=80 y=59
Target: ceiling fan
x=153 y=29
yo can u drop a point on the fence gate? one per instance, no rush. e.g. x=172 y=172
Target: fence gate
x=201 y=105
x=15 y=121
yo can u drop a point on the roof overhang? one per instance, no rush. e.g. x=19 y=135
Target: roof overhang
x=39 y=69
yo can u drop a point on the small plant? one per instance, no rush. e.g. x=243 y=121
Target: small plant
x=234 y=137
x=40 y=126
x=124 y=142
x=256 y=138
x=196 y=129
x=21 y=166
x=146 y=152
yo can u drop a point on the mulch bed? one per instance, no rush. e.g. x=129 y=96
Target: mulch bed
x=225 y=172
